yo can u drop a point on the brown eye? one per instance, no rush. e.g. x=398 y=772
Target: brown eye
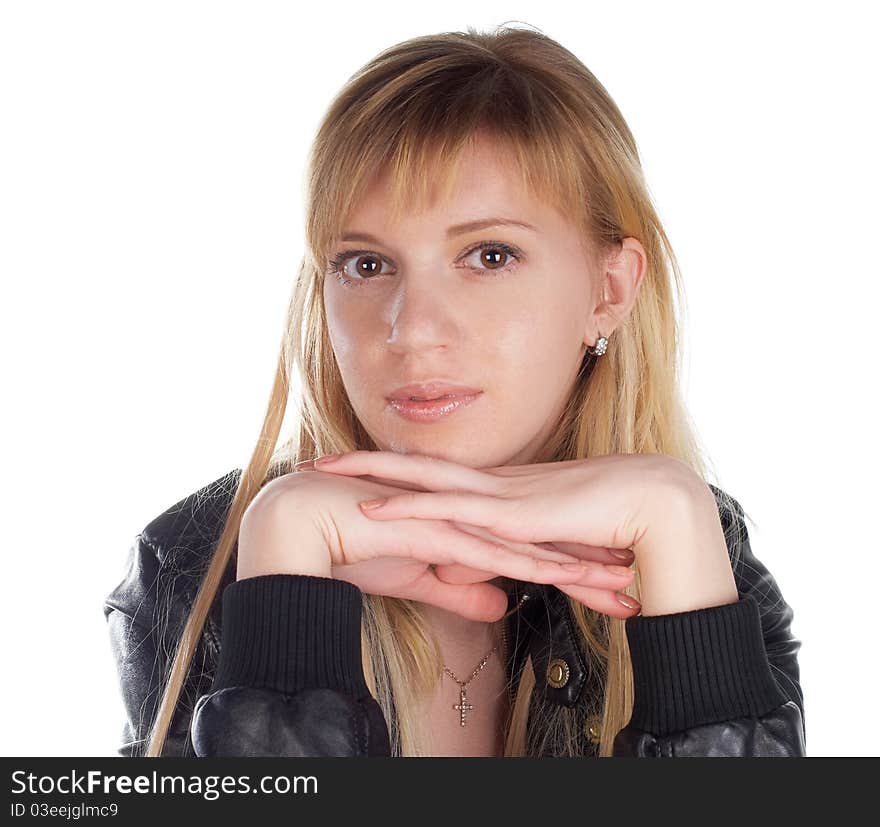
x=494 y=257
x=356 y=265
x=367 y=266
x=491 y=257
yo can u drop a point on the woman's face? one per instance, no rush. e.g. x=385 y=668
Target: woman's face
x=504 y=309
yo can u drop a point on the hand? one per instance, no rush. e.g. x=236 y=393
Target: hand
x=396 y=559
x=617 y=501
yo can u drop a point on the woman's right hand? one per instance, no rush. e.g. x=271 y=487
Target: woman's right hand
x=310 y=523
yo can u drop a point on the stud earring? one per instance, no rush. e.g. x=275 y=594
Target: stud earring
x=599 y=348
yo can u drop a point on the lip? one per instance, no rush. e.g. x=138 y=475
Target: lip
x=429 y=390
x=433 y=409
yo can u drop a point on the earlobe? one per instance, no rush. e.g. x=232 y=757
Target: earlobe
x=600 y=346
x=601 y=325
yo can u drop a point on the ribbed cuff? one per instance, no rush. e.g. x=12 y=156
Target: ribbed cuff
x=700 y=667
x=290 y=632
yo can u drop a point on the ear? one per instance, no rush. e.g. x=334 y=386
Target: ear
x=619 y=280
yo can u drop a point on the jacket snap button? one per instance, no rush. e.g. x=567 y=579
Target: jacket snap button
x=557 y=673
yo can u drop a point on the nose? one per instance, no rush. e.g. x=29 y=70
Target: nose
x=424 y=315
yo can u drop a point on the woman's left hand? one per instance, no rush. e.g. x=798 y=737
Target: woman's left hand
x=653 y=504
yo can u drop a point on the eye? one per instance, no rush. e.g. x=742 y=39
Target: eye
x=495 y=255
x=494 y=259
x=367 y=265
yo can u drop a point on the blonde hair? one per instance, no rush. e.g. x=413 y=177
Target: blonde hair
x=411 y=111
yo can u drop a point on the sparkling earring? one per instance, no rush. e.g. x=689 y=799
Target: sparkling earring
x=599 y=348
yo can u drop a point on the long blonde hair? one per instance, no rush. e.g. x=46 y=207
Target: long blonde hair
x=411 y=111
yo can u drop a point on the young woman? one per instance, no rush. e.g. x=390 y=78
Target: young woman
x=484 y=331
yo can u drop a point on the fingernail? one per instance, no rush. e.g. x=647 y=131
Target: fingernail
x=629 y=602
x=622 y=571
x=304 y=465
x=370 y=504
x=622 y=554
x=327 y=459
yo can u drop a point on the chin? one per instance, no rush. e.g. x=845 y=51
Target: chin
x=428 y=446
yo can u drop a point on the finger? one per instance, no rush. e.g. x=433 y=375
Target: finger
x=595 y=585
x=409 y=486
x=602 y=600
x=309 y=465
x=428 y=472
x=543 y=551
x=440 y=543
x=530 y=468
x=458 y=573
x=603 y=576
x=477 y=601
x=601 y=554
x=597 y=575
x=484 y=510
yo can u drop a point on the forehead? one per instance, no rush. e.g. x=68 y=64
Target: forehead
x=482 y=183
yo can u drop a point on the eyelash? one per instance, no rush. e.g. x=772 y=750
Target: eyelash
x=335 y=266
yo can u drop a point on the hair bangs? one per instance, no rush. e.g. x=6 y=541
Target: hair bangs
x=426 y=126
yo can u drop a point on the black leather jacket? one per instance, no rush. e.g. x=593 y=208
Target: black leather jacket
x=721 y=681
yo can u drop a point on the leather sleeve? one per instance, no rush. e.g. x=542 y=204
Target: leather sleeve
x=290 y=681
x=141 y=640
x=721 y=681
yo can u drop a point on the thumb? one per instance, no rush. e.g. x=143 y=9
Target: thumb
x=460 y=573
x=474 y=601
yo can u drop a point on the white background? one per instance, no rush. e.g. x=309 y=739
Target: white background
x=151 y=162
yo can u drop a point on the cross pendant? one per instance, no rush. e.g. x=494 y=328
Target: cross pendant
x=462 y=706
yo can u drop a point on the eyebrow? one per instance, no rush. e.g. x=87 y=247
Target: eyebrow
x=451 y=232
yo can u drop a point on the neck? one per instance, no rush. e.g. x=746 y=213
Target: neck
x=463 y=642
x=452 y=628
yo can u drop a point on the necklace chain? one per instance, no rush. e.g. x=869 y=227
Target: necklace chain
x=463 y=707
x=476 y=671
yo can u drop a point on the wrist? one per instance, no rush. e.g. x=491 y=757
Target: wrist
x=682 y=558
x=271 y=541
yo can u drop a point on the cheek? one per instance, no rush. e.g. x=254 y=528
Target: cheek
x=352 y=341
x=534 y=350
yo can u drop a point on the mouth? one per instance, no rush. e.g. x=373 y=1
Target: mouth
x=417 y=409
